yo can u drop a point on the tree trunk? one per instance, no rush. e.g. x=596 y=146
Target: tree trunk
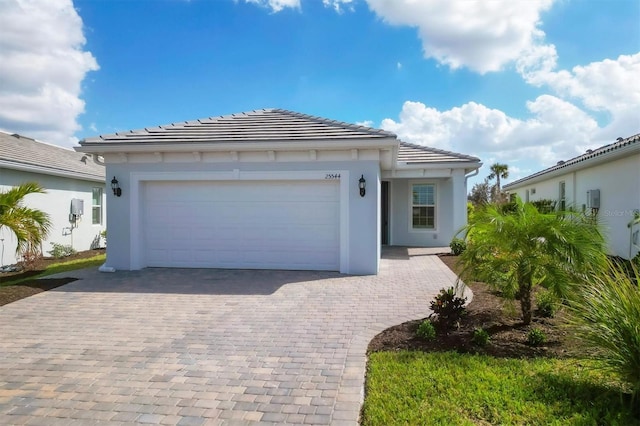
x=525 y=303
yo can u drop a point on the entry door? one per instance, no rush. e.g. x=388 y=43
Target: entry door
x=384 y=213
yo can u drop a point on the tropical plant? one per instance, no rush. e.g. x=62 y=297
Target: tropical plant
x=547 y=304
x=449 y=308
x=426 y=330
x=536 y=337
x=517 y=249
x=61 y=250
x=498 y=170
x=606 y=314
x=480 y=337
x=30 y=226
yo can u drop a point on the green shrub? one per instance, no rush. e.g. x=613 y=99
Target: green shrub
x=458 y=246
x=547 y=304
x=448 y=307
x=426 y=330
x=480 y=337
x=606 y=314
x=536 y=337
x=61 y=250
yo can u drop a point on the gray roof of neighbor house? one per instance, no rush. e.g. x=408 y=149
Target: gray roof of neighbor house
x=420 y=154
x=23 y=153
x=592 y=156
x=254 y=126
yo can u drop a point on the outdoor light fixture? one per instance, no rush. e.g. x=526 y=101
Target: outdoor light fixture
x=362 y=185
x=115 y=187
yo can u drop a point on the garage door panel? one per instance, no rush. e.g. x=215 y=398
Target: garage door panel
x=271 y=225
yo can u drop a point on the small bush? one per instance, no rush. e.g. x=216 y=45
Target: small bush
x=61 y=250
x=458 y=246
x=536 y=337
x=547 y=304
x=426 y=330
x=448 y=307
x=480 y=337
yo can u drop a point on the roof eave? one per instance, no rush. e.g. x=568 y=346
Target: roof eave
x=574 y=166
x=340 y=144
x=49 y=171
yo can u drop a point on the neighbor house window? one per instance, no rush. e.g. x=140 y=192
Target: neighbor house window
x=562 y=197
x=96 y=206
x=423 y=206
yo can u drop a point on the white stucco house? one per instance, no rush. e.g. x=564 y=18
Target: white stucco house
x=275 y=189
x=603 y=182
x=74 y=199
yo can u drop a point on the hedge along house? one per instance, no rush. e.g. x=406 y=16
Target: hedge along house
x=75 y=192
x=275 y=189
x=604 y=182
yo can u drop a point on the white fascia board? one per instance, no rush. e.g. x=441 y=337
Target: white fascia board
x=467 y=165
x=321 y=144
x=580 y=165
x=48 y=171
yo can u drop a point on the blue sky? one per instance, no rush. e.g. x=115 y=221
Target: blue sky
x=526 y=82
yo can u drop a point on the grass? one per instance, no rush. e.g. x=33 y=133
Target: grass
x=417 y=388
x=60 y=267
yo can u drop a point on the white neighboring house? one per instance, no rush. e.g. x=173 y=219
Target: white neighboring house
x=275 y=189
x=75 y=192
x=604 y=182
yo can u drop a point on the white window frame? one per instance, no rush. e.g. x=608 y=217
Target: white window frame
x=435 y=207
x=97 y=206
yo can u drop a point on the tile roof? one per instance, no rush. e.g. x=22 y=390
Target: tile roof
x=254 y=126
x=414 y=154
x=25 y=153
x=586 y=157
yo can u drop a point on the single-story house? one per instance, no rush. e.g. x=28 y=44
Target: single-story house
x=74 y=199
x=604 y=182
x=275 y=189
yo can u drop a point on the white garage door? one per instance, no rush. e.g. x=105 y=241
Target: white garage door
x=242 y=224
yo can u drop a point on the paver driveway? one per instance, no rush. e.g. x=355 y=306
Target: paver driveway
x=175 y=346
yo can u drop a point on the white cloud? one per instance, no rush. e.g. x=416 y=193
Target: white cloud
x=399 y=65
x=42 y=65
x=276 y=5
x=338 y=5
x=365 y=123
x=481 y=35
x=556 y=130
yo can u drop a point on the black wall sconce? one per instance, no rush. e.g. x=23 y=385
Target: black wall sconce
x=116 y=187
x=362 y=184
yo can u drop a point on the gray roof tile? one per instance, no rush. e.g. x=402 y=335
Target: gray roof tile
x=414 y=154
x=256 y=126
x=23 y=152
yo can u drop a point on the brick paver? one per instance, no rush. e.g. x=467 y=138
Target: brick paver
x=192 y=347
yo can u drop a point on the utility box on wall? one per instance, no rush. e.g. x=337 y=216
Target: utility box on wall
x=593 y=199
x=77 y=207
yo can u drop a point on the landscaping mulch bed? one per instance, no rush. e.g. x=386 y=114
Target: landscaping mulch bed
x=28 y=288
x=499 y=317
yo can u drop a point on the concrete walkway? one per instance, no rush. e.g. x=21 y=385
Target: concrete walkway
x=191 y=347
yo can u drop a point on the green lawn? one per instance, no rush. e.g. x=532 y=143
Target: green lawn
x=62 y=266
x=416 y=388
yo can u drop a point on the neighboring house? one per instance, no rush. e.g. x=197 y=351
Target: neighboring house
x=604 y=182
x=275 y=189
x=72 y=181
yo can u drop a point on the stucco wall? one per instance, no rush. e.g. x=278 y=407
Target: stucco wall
x=362 y=216
x=57 y=203
x=619 y=185
x=450 y=212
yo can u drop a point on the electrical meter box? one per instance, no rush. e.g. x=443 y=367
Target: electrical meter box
x=77 y=207
x=593 y=198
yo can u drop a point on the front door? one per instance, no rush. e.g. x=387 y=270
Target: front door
x=384 y=213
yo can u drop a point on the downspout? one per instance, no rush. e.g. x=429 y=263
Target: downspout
x=475 y=173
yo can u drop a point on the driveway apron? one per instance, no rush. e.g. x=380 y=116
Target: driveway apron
x=191 y=347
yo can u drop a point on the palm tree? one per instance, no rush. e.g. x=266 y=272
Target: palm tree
x=516 y=249
x=498 y=171
x=30 y=226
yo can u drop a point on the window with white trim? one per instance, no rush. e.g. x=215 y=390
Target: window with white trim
x=96 y=206
x=423 y=206
x=562 y=197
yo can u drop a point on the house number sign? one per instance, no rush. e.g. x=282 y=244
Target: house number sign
x=332 y=176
